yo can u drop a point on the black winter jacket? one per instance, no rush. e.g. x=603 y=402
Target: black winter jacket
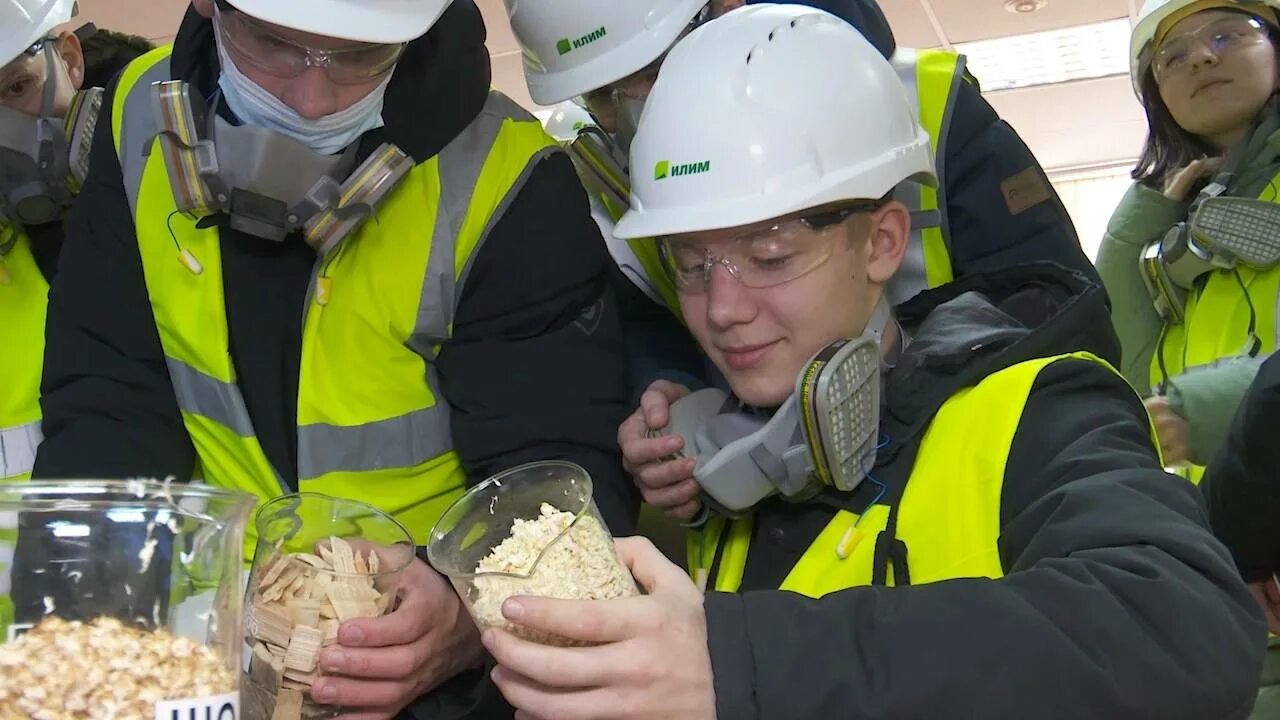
x=1116 y=600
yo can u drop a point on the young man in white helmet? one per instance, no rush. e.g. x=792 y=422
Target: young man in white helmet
x=994 y=207
x=315 y=252
x=968 y=445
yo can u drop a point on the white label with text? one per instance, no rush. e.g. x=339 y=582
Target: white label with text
x=213 y=707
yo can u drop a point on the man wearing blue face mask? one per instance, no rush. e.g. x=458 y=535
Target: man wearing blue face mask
x=315 y=252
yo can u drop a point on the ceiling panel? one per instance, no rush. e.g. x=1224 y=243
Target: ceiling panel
x=911 y=24
x=1078 y=124
x=929 y=23
x=1069 y=125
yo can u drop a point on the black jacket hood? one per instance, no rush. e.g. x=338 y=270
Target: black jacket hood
x=981 y=324
x=865 y=15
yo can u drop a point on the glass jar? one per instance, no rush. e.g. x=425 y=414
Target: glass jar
x=122 y=597
x=319 y=561
x=532 y=530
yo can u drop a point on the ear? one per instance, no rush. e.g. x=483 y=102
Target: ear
x=204 y=7
x=890 y=233
x=68 y=46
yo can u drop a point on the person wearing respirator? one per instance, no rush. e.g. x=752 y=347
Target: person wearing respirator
x=46 y=122
x=45 y=128
x=316 y=252
x=952 y=509
x=1190 y=255
x=992 y=208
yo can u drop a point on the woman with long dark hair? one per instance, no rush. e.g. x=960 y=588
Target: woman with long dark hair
x=1194 y=321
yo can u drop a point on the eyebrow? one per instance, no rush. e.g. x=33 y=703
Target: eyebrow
x=1210 y=23
x=15 y=67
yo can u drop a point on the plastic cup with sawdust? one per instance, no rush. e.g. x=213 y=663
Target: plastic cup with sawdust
x=532 y=530
x=320 y=561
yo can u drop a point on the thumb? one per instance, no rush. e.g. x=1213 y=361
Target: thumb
x=655 y=405
x=648 y=565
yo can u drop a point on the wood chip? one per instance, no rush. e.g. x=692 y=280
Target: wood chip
x=299 y=678
x=314 y=561
x=362 y=567
x=297 y=584
x=280 y=585
x=351 y=609
x=374 y=562
x=277 y=653
x=288 y=705
x=294 y=685
x=350 y=591
x=329 y=631
x=343 y=556
x=275 y=566
x=304 y=649
x=262 y=669
x=270 y=623
x=305 y=612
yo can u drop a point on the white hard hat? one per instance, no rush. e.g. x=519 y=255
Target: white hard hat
x=795 y=110
x=572 y=47
x=566 y=120
x=23 y=22
x=371 y=21
x=1155 y=12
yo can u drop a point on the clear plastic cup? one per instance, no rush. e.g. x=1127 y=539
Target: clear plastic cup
x=121 y=596
x=320 y=560
x=532 y=530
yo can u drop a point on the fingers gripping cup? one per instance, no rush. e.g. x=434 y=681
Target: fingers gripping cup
x=319 y=561
x=532 y=530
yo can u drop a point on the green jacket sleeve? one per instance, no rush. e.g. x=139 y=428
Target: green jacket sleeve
x=1143 y=215
x=1208 y=398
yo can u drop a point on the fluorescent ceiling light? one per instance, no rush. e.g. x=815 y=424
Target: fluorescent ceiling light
x=1055 y=56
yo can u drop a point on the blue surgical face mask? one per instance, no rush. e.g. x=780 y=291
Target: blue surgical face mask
x=257 y=107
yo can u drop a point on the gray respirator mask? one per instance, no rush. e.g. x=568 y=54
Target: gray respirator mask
x=823 y=437
x=1221 y=233
x=43 y=159
x=267 y=184
x=627 y=121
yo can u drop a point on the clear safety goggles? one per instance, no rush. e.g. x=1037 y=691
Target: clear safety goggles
x=758 y=258
x=635 y=87
x=18 y=82
x=1219 y=37
x=257 y=45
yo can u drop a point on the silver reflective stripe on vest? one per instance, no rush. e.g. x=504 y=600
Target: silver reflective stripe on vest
x=18 y=449
x=209 y=397
x=460 y=163
x=401 y=442
x=940 y=153
x=913 y=277
x=419 y=436
x=138 y=129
